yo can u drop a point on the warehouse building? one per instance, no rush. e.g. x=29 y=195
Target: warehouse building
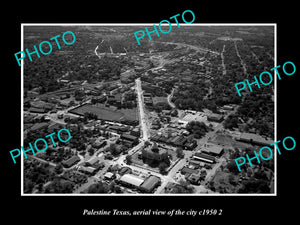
x=150 y=184
x=204 y=157
x=131 y=180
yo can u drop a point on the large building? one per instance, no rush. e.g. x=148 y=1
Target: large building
x=212 y=149
x=254 y=139
x=150 y=184
x=153 y=152
x=129 y=139
x=131 y=180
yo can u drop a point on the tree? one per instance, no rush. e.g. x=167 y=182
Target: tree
x=98 y=188
x=128 y=159
x=179 y=153
x=58 y=168
x=232 y=167
x=162 y=168
x=91 y=151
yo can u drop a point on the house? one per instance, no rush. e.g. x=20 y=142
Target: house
x=150 y=184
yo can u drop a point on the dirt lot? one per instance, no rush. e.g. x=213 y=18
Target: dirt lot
x=107 y=113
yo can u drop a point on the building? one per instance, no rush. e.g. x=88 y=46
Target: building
x=153 y=152
x=135 y=132
x=188 y=171
x=129 y=139
x=124 y=170
x=92 y=161
x=213 y=117
x=87 y=170
x=71 y=161
x=194 y=179
x=150 y=184
x=109 y=176
x=254 y=139
x=131 y=180
x=178 y=141
x=204 y=157
x=191 y=145
x=213 y=150
x=118 y=129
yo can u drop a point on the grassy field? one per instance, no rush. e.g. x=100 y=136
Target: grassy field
x=107 y=113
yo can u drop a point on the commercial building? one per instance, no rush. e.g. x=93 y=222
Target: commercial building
x=71 y=161
x=150 y=184
x=213 y=150
x=131 y=180
x=254 y=139
x=203 y=157
x=129 y=139
x=213 y=117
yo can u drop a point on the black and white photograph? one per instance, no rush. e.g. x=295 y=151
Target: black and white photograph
x=160 y=117
x=134 y=113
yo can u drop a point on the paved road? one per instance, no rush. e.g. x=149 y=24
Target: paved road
x=170 y=96
x=143 y=122
x=197 y=48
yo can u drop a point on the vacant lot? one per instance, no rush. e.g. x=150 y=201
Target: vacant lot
x=107 y=113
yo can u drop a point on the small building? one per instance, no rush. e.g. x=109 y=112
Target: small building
x=204 y=157
x=125 y=170
x=191 y=145
x=150 y=184
x=71 y=161
x=228 y=107
x=109 y=176
x=215 y=117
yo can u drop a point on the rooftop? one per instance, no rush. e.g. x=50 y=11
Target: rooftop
x=131 y=179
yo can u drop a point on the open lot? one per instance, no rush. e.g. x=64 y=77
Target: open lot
x=106 y=113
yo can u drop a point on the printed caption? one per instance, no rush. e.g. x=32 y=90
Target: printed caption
x=153 y=212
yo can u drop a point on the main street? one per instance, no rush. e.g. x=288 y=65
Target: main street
x=143 y=122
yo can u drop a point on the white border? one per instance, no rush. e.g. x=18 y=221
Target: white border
x=151 y=24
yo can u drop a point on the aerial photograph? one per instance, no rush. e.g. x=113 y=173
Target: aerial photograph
x=160 y=118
